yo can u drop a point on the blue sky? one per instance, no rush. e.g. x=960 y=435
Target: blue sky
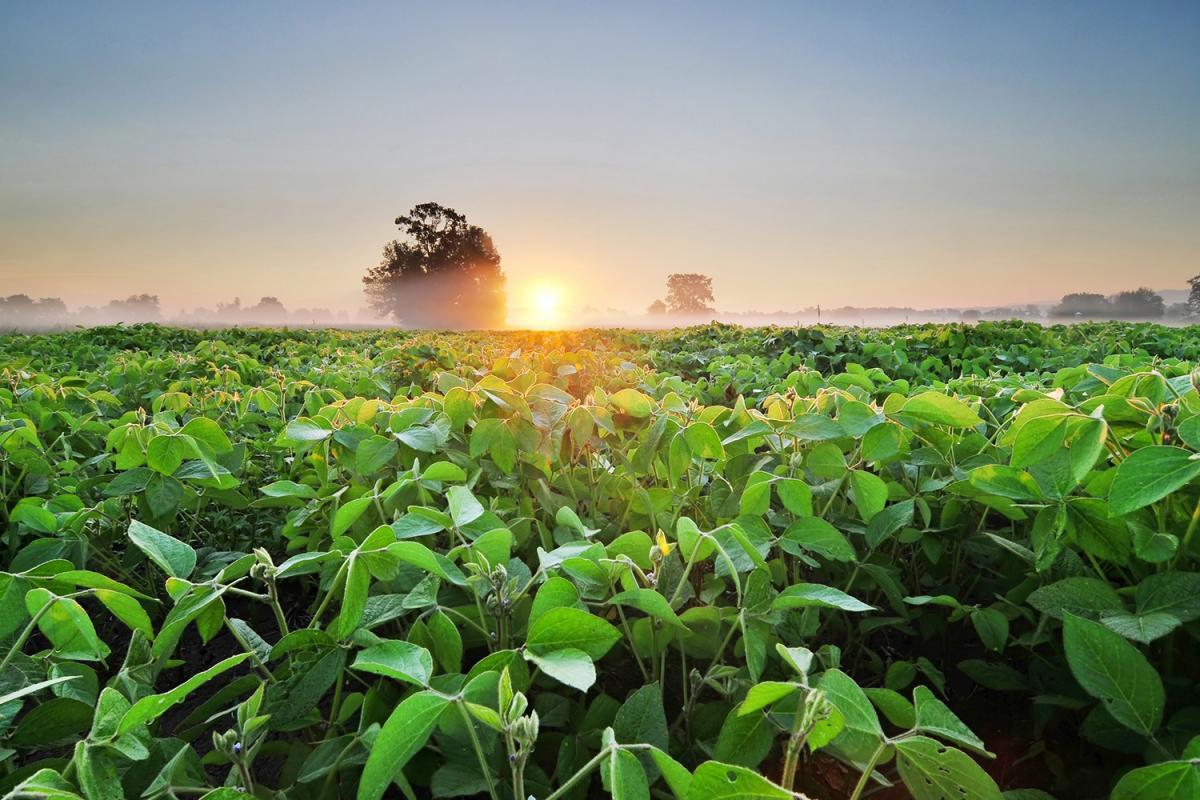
x=869 y=153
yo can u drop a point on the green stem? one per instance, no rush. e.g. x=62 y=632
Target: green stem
x=337 y=584
x=866 y=776
x=483 y=765
x=687 y=570
x=1191 y=531
x=579 y=775
x=632 y=648
x=24 y=637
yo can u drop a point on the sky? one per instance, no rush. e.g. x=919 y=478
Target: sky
x=868 y=153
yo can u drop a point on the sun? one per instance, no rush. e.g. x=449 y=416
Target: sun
x=545 y=306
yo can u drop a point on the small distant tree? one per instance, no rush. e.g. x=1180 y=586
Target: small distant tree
x=1082 y=304
x=657 y=307
x=49 y=308
x=445 y=274
x=1141 y=303
x=135 y=308
x=268 y=309
x=1193 y=301
x=689 y=293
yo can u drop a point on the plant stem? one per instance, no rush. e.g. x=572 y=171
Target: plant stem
x=1191 y=531
x=579 y=775
x=483 y=765
x=866 y=776
x=24 y=637
x=337 y=584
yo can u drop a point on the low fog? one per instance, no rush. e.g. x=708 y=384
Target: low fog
x=26 y=314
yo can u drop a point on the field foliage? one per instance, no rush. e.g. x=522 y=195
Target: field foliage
x=926 y=561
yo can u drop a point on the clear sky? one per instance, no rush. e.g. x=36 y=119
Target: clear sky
x=892 y=153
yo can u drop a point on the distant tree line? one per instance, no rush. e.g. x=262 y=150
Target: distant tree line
x=20 y=311
x=1140 y=303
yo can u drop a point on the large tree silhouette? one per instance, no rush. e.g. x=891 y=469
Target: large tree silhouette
x=689 y=293
x=445 y=274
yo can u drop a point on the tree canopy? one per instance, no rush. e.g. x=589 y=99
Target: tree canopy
x=689 y=293
x=1141 y=303
x=445 y=274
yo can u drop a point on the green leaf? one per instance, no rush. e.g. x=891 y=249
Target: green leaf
x=649 y=602
x=166 y=452
x=403 y=661
x=933 y=771
x=163 y=495
x=849 y=699
x=402 y=736
x=642 y=719
x=304 y=430
x=935 y=717
x=764 y=694
x=888 y=521
x=556 y=592
x=716 y=781
x=373 y=453
x=815 y=535
x=443 y=471
x=1039 y=439
x=447 y=641
x=173 y=556
x=46 y=784
x=289 y=489
x=1010 y=482
x=632 y=402
x=154 y=706
x=940 y=410
x=348 y=513
x=703 y=441
x=1174 y=593
x=67 y=625
x=626 y=777
x=870 y=493
x=1149 y=474
x=209 y=433
x=354 y=597
x=126 y=609
x=992 y=627
x=51 y=721
x=895 y=707
x=571 y=627
x=567 y=665
x=744 y=739
x=97 y=773
x=795 y=496
x=1170 y=780
x=1115 y=672
x=674 y=774
x=35 y=517
x=1144 y=628
x=464 y=508
x=421 y=556
x=1085 y=597
x=34 y=687
x=814 y=595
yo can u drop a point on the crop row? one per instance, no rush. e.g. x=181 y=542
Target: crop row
x=714 y=562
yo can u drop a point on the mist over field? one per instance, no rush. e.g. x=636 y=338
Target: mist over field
x=23 y=313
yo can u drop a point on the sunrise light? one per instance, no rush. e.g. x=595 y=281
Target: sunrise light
x=545 y=306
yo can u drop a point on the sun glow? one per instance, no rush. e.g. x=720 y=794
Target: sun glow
x=545 y=306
